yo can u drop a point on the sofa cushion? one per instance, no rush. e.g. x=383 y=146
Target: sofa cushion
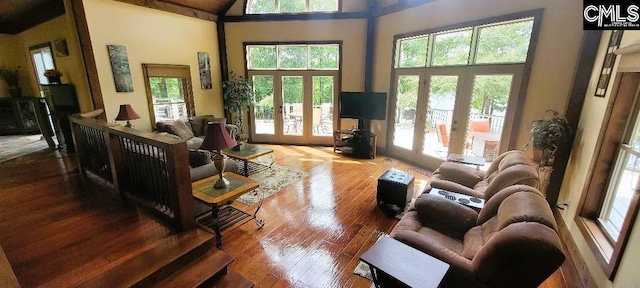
x=176 y=127
x=197 y=125
x=199 y=157
x=208 y=170
x=194 y=143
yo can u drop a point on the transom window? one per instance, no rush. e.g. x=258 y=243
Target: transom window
x=293 y=57
x=506 y=42
x=291 y=6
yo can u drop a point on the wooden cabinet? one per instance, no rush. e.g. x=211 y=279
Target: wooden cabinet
x=62 y=102
x=19 y=116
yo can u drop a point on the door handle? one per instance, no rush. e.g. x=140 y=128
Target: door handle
x=280 y=110
x=454 y=129
x=455 y=122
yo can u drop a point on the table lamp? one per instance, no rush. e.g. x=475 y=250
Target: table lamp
x=217 y=139
x=127 y=113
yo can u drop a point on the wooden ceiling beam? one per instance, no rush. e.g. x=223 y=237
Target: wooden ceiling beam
x=173 y=8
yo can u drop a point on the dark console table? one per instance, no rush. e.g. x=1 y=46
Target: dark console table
x=62 y=102
x=358 y=143
x=25 y=115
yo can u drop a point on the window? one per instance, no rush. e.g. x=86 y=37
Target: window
x=292 y=6
x=169 y=91
x=505 y=42
x=293 y=57
x=610 y=201
x=42 y=61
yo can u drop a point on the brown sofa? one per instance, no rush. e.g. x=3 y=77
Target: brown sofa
x=192 y=130
x=509 y=168
x=511 y=242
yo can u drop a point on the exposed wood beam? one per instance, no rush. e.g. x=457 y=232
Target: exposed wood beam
x=296 y=17
x=590 y=43
x=401 y=5
x=88 y=57
x=173 y=8
x=222 y=41
x=372 y=6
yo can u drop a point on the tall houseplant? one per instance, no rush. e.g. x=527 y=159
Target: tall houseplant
x=547 y=134
x=238 y=95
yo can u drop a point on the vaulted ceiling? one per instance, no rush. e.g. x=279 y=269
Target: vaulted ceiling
x=19 y=15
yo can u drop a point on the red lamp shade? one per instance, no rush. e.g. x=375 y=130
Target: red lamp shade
x=217 y=138
x=127 y=113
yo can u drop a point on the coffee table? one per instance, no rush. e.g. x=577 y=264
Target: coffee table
x=237 y=185
x=395 y=264
x=248 y=153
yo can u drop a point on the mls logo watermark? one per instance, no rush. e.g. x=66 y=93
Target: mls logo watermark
x=607 y=15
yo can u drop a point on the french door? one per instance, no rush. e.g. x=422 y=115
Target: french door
x=295 y=107
x=462 y=110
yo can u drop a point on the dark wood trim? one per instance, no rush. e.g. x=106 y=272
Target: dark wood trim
x=296 y=17
x=574 y=268
x=372 y=6
x=222 y=51
x=524 y=83
x=88 y=56
x=225 y=9
x=401 y=5
x=173 y=8
x=582 y=75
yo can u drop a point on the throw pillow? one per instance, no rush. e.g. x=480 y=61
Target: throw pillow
x=199 y=157
x=197 y=125
x=178 y=127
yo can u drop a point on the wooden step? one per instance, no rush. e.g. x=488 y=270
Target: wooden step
x=230 y=280
x=211 y=265
x=170 y=255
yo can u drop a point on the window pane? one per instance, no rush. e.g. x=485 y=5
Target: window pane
x=264 y=117
x=292 y=91
x=506 y=43
x=293 y=57
x=322 y=105
x=623 y=185
x=413 y=52
x=261 y=6
x=407 y=100
x=168 y=98
x=292 y=6
x=452 y=48
x=262 y=57
x=323 y=5
x=324 y=56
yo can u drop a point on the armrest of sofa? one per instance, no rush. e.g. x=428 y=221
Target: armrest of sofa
x=447 y=213
x=454 y=187
x=435 y=249
x=233 y=130
x=459 y=173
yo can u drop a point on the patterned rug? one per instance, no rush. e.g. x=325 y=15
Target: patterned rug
x=15 y=146
x=272 y=180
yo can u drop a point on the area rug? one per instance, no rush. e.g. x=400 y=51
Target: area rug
x=12 y=147
x=271 y=180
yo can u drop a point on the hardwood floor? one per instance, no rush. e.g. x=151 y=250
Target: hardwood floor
x=315 y=229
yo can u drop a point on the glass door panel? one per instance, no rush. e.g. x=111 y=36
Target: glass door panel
x=322 y=115
x=442 y=98
x=486 y=116
x=407 y=92
x=264 y=116
x=293 y=115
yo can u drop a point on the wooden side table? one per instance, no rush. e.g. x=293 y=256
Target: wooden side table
x=394 y=264
x=237 y=185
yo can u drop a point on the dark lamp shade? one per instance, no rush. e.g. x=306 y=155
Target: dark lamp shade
x=217 y=138
x=127 y=113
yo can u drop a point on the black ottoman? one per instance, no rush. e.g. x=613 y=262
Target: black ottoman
x=395 y=187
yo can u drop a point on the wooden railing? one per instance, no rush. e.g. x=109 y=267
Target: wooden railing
x=150 y=169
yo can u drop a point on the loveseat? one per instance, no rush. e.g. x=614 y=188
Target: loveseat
x=511 y=242
x=192 y=130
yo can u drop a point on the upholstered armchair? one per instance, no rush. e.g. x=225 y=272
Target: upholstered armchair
x=511 y=242
x=510 y=168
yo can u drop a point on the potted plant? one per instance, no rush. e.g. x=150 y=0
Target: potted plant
x=12 y=78
x=547 y=134
x=238 y=95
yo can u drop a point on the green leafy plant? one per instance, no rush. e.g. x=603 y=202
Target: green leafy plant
x=10 y=76
x=238 y=95
x=547 y=134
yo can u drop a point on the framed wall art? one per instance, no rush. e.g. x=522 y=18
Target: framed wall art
x=204 y=66
x=120 y=68
x=609 y=61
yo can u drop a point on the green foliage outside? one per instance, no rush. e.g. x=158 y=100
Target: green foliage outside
x=323 y=5
x=292 y=6
x=324 y=56
x=322 y=90
x=507 y=43
x=452 y=48
x=261 y=6
x=293 y=57
x=413 y=52
x=263 y=89
x=491 y=93
x=166 y=88
x=408 y=91
x=262 y=57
